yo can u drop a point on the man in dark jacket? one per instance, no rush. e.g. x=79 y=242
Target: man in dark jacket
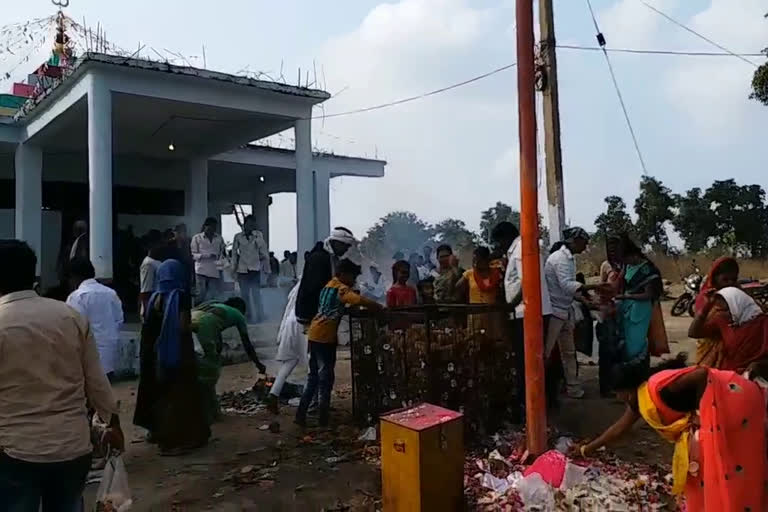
x=318 y=270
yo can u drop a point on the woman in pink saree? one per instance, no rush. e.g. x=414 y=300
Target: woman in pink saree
x=716 y=419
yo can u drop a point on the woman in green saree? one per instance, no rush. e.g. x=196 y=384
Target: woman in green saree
x=642 y=287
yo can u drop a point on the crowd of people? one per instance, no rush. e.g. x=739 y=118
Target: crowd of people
x=58 y=359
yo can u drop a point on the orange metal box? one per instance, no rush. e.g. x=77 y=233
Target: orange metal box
x=422 y=460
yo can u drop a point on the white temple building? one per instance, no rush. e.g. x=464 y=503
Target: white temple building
x=130 y=142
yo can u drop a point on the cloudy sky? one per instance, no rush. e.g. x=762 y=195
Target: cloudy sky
x=455 y=154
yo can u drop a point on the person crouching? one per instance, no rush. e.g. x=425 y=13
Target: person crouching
x=323 y=338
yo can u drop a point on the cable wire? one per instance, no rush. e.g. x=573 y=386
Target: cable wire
x=638 y=51
x=419 y=96
x=601 y=41
x=700 y=36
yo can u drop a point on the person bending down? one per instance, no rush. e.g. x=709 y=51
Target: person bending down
x=716 y=420
x=209 y=320
x=323 y=338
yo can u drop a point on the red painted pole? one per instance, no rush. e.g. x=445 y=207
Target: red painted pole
x=536 y=412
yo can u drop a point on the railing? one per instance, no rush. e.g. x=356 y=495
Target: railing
x=457 y=356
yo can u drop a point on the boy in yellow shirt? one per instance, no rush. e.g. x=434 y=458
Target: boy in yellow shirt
x=322 y=336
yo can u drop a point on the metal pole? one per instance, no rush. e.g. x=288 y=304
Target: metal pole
x=554 y=159
x=536 y=414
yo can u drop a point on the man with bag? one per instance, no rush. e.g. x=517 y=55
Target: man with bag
x=49 y=369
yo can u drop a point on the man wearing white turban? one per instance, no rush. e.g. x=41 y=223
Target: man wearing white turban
x=319 y=268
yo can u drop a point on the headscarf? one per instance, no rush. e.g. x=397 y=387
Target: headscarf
x=743 y=307
x=342 y=235
x=573 y=233
x=171 y=283
x=702 y=298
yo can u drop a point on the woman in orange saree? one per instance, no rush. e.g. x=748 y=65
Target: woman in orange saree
x=724 y=273
x=715 y=418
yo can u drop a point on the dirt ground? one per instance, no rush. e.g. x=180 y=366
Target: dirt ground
x=293 y=467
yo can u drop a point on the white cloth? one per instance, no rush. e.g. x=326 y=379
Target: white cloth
x=560 y=272
x=147 y=273
x=375 y=290
x=287 y=274
x=102 y=308
x=75 y=247
x=513 y=280
x=292 y=342
x=206 y=253
x=339 y=235
x=250 y=253
x=743 y=307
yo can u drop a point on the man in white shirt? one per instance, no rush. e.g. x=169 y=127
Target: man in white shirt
x=207 y=249
x=560 y=272
x=100 y=307
x=250 y=257
x=148 y=269
x=288 y=270
x=507 y=237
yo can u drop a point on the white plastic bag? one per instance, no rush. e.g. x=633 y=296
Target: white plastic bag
x=114 y=494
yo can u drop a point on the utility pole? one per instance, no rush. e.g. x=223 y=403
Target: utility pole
x=536 y=413
x=554 y=155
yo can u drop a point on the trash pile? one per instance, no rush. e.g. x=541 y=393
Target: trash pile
x=497 y=479
x=250 y=401
x=246 y=402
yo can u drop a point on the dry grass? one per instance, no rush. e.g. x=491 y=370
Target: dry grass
x=673 y=268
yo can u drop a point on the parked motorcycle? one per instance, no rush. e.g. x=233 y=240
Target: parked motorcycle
x=686 y=301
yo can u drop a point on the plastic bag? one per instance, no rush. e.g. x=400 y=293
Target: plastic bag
x=114 y=494
x=536 y=493
x=550 y=466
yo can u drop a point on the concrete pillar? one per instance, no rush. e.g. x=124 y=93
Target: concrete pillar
x=100 y=176
x=260 y=209
x=306 y=225
x=196 y=197
x=322 y=181
x=29 y=197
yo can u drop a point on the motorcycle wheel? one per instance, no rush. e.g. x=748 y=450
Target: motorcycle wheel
x=691 y=310
x=682 y=304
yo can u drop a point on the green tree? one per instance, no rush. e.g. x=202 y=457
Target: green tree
x=695 y=221
x=740 y=216
x=654 y=209
x=455 y=233
x=615 y=219
x=760 y=82
x=396 y=231
x=501 y=212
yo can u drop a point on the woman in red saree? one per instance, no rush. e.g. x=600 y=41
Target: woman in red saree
x=723 y=274
x=715 y=418
x=733 y=317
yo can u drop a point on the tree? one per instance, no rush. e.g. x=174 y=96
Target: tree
x=760 y=82
x=615 y=220
x=653 y=208
x=494 y=215
x=695 y=221
x=501 y=212
x=396 y=231
x=455 y=233
x=740 y=216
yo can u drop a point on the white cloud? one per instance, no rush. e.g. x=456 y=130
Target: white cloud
x=714 y=92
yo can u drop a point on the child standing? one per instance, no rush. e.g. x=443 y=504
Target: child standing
x=323 y=338
x=401 y=293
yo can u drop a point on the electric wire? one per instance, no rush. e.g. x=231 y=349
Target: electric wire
x=682 y=53
x=601 y=41
x=418 y=96
x=697 y=34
